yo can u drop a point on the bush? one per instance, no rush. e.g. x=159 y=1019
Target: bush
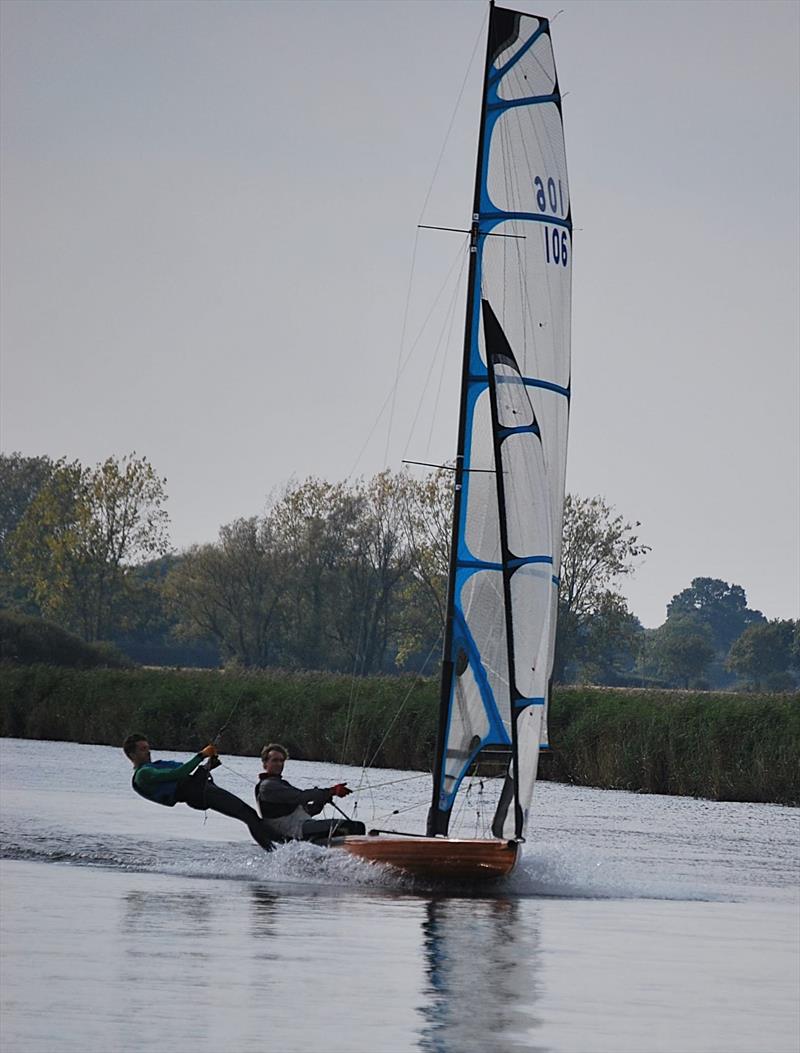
x=724 y=746
x=31 y=641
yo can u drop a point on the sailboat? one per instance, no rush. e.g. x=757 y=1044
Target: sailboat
x=510 y=464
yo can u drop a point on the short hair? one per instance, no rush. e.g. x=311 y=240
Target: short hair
x=276 y=746
x=129 y=745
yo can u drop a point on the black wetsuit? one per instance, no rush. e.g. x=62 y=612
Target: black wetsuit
x=167 y=782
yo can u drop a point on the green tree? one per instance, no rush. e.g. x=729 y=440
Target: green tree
x=315 y=583
x=349 y=564
x=722 y=607
x=599 y=547
x=763 y=654
x=427 y=516
x=231 y=592
x=79 y=537
x=21 y=478
x=371 y=571
x=681 y=649
x=610 y=644
x=317 y=521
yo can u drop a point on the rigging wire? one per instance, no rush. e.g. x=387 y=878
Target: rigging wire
x=405 y=362
x=402 y=705
x=478 y=39
x=224 y=727
x=354 y=686
x=401 y=364
x=402 y=343
x=435 y=413
x=396 y=811
x=442 y=342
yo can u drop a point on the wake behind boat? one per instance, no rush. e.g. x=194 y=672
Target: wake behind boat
x=510 y=463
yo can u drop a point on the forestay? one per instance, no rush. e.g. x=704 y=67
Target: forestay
x=514 y=412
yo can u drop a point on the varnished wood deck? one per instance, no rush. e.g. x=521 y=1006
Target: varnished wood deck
x=437 y=858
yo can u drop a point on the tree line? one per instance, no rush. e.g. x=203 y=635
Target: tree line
x=346 y=577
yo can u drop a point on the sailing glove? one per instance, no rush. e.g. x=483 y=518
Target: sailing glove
x=340 y=790
x=209 y=751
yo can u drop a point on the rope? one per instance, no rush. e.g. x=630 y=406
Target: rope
x=353 y=694
x=397 y=811
x=394 y=782
x=236 y=705
x=239 y=775
x=365 y=784
x=401 y=369
x=402 y=705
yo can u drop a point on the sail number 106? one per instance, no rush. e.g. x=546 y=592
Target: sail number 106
x=553 y=196
x=550 y=197
x=556 y=245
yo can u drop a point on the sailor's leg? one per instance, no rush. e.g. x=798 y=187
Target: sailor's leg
x=202 y=793
x=322 y=829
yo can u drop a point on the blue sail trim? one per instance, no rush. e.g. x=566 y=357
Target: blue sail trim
x=531 y=100
x=529 y=382
x=446 y=799
x=523 y=429
x=532 y=382
x=524 y=560
x=523 y=703
x=496 y=734
x=532 y=217
x=479 y=564
x=498 y=74
x=556 y=580
x=495 y=108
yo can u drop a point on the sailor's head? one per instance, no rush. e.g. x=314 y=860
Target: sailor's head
x=137 y=749
x=273 y=757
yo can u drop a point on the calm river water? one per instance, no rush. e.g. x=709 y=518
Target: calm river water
x=636 y=923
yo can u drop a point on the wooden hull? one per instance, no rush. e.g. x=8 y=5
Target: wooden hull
x=436 y=858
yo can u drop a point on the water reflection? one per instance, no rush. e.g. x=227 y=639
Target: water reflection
x=265 y=911
x=170 y=913
x=482 y=958
x=264 y=924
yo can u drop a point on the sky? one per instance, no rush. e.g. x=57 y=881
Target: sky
x=210 y=255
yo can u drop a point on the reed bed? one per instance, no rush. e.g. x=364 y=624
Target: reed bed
x=722 y=746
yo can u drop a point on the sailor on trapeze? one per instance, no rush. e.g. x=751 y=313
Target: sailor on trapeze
x=168 y=782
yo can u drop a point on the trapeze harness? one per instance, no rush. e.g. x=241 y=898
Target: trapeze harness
x=160 y=792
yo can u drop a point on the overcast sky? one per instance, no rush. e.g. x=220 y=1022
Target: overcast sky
x=209 y=219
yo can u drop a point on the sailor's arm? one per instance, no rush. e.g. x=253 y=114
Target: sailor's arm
x=317 y=799
x=271 y=791
x=149 y=776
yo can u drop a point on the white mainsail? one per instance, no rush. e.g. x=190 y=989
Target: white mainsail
x=511 y=466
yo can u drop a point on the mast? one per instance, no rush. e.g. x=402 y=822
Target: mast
x=438 y=820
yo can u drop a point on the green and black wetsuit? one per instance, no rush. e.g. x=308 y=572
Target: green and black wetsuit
x=168 y=782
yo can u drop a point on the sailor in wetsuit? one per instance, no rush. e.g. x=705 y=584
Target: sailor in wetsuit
x=288 y=810
x=168 y=782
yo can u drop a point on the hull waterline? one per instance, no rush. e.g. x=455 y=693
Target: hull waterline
x=437 y=858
